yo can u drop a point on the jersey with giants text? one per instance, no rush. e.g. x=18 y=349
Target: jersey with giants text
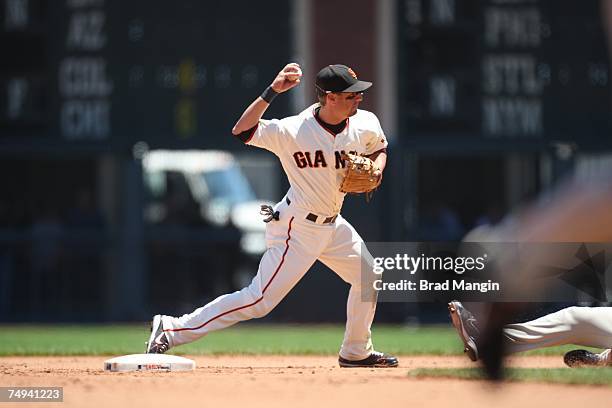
x=311 y=155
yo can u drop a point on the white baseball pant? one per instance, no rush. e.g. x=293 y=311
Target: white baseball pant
x=293 y=245
x=584 y=326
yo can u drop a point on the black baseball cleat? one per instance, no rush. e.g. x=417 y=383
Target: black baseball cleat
x=467 y=328
x=583 y=358
x=375 y=360
x=158 y=341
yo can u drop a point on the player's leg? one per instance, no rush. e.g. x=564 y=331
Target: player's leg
x=585 y=326
x=292 y=249
x=344 y=255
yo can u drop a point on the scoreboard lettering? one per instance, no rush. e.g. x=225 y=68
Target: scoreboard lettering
x=106 y=74
x=526 y=71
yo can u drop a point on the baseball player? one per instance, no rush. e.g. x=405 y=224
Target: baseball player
x=584 y=326
x=581 y=213
x=578 y=210
x=306 y=224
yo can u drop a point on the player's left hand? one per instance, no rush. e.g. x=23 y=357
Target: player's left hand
x=287 y=78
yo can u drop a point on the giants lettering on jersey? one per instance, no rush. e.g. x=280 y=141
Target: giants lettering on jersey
x=305 y=159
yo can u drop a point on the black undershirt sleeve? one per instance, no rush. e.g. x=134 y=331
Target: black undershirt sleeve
x=247 y=134
x=383 y=150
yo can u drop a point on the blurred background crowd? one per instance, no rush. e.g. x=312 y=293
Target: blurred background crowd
x=123 y=192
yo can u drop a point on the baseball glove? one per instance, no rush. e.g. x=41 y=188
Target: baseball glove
x=362 y=175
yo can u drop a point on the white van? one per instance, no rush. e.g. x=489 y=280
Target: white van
x=202 y=186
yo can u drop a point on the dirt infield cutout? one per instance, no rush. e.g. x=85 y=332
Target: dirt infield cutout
x=296 y=381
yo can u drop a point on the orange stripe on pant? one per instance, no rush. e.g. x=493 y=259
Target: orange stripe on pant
x=251 y=304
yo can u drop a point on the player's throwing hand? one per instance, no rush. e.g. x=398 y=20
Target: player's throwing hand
x=287 y=78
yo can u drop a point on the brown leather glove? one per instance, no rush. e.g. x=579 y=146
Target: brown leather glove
x=362 y=174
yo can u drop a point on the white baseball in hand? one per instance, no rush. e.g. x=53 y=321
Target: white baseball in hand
x=294 y=74
x=287 y=78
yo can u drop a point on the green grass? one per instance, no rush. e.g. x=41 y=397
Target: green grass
x=243 y=339
x=590 y=376
x=251 y=339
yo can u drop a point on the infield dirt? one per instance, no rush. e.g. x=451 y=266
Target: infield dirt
x=288 y=381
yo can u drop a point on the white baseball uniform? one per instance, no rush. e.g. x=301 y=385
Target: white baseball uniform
x=309 y=228
x=584 y=326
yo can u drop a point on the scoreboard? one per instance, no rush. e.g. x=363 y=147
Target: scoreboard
x=105 y=74
x=504 y=74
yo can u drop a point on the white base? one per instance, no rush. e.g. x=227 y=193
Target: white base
x=149 y=362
